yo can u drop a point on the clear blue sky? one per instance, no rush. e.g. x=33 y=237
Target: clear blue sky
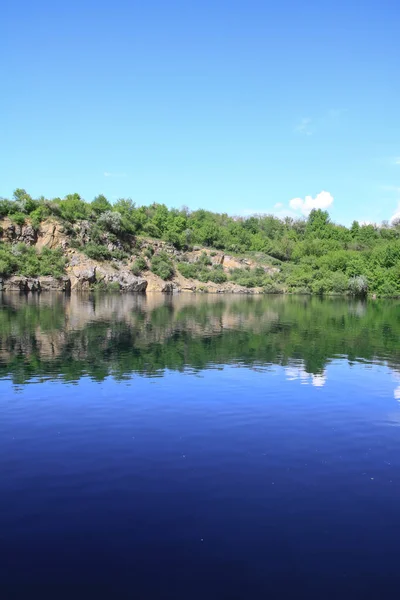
x=233 y=106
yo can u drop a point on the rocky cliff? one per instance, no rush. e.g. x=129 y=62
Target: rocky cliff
x=83 y=273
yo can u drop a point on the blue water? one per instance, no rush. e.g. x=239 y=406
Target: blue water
x=238 y=479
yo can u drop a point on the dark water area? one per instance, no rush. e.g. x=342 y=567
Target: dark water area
x=199 y=447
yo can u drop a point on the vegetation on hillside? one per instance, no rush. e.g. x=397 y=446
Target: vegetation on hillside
x=27 y=261
x=314 y=255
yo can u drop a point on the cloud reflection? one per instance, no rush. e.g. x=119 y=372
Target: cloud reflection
x=293 y=373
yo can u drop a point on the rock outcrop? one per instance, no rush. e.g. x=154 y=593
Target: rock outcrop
x=38 y=284
x=12 y=233
x=117 y=273
x=51 y=235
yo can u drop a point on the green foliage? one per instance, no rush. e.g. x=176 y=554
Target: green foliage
x=148 y=252
x=106 y=286
x=18 y=218
x=97 y=251
x=200 y=270
x=100 y=205
x=217 y=275
x=73 y=208
x=27 y=261
x=162 y=265
x=313 y=255
x=138 y=265
x=188 y=270
x=248 y=277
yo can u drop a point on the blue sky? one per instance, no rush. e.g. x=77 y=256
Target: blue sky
x=236 y=106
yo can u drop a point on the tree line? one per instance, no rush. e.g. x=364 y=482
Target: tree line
x=314 y=255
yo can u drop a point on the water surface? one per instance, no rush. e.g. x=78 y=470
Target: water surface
x=199 y=446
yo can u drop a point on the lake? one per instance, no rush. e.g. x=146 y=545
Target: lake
x=199 y=446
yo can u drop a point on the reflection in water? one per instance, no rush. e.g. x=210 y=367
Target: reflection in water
x=273 y=472
x=68 y=337
x=293 y=373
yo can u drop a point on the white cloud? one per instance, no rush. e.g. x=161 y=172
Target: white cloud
x=296 y=203
x=278 y=205
x=396 y=215
x=304 y=127
x=108 y=174
x=397 y=160
x=322 y=200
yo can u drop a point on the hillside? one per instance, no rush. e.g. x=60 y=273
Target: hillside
x=72 y=244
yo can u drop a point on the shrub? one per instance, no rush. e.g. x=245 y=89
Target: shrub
x=138 y=266
x=106 y=286
x=248 y=278
x=271 y=287
x=189 y=270
x=97 y=251
x=204 y=259
x=338 y=282
x=161 y=265
x=358 y=285
x=110 y=221
x=27 y=261
x=39 y=215
x=217 y=276
x=73 y=208
x=18 y=218
x=119 y=254
x=149 y=251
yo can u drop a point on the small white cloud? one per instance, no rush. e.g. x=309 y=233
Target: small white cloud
x=397 y=160
x=304 y=127
x=108 y=174
x=396 y=215
x=296 y=203
x=278 y=205
x=322 y=200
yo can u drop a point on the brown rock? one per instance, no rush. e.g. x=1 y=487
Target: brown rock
x=12 y=233
x=15 y=284
x=51 y=235
x=52 y=284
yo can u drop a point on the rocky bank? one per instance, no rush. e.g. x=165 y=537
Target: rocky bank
x=85 y=274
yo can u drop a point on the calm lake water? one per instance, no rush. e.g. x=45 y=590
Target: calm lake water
x=199 y=447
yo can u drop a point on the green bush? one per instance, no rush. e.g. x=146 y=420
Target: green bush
x=249 y=278
x=271 y=287
x=338 y=283
x=149 y=251
x=162 y=266
x=138 y=265
x=97 y=251
x=188 y=270
x=106 y=286
x=18 y=218
x=217 y=275
x=27 y=261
